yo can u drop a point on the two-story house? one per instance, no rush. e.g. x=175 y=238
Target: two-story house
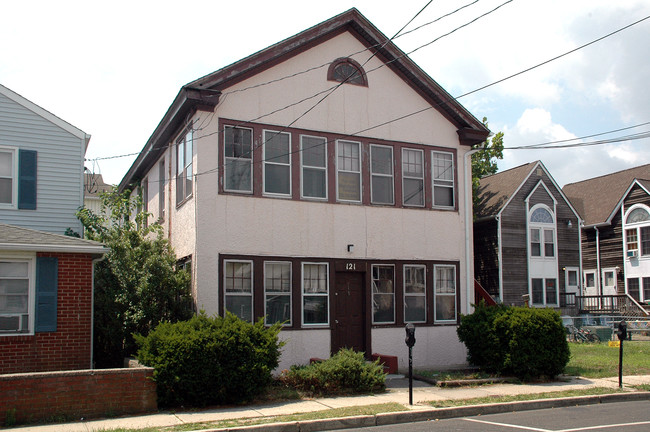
x=526 y=238
x=45 y=277
x=616 y=232
x=323 y=183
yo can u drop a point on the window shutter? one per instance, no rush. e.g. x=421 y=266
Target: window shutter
x=27 y=162
x=46 y=292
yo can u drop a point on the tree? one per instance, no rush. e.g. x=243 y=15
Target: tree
x=484 y=162
x=137 y=284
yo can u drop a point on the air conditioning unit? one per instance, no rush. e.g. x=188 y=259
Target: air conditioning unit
x=632 y=253
x=11 y=323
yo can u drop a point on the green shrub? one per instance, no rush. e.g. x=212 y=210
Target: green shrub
x=345 y=372
x=207 y=361
x=525 y=342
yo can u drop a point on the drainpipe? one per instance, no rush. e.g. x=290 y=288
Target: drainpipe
x=600 y=285
x=469 y=222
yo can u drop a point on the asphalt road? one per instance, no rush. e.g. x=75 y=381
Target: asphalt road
x=607 y=417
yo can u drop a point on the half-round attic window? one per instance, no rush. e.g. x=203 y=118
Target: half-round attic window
x=346 y=70
x=638 y=215
x=541 y=215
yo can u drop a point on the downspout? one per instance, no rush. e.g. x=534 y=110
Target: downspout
x=500 y=257
x=580 y=267
x=469 y=226
x=92 y=311
x=600 y=285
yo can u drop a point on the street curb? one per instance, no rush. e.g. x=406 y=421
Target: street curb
x=433 y=414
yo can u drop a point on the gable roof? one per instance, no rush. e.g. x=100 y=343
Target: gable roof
x=205 y=92
x=10 y=94
x=495 y=191
x=597 y=199
x=25 y=239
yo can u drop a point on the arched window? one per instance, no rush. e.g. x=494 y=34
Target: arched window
x=346 y=70
x=542 y=232
x=638 y=215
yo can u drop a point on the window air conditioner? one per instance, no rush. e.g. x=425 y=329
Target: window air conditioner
x=632 y=253
x=11 y=323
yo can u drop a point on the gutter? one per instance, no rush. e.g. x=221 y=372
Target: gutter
x=53 y=248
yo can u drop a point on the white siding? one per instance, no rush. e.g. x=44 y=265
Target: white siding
x=60 y=169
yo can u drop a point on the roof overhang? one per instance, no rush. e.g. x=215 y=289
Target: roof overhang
x=188 y=101
x=30 y=247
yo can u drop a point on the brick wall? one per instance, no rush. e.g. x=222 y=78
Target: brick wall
x=69 y=347
x=72 y=395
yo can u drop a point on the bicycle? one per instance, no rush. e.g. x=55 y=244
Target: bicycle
x=581 y=335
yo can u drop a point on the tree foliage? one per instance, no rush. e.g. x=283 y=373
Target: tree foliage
x=137 y=284
x=484 y=162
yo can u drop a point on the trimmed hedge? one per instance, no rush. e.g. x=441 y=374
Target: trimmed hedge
x=525 y=342
x=208 y=361
x=345 y=372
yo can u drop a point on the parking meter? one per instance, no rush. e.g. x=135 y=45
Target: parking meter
x=622 y=335
x=410 y=335
x=622 y=330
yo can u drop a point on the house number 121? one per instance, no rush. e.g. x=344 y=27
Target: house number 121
x=350 y=266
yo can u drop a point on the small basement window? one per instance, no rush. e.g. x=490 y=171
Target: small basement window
x=346 y=70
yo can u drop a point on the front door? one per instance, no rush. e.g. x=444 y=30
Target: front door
x=348 y=329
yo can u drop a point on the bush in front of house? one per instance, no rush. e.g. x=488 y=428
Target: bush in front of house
x=524 y=342
x=210 y=361
x=345 y=372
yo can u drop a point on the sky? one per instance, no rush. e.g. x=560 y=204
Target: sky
x=112 y=69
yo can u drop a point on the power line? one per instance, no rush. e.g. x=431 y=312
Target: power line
x=443 y=102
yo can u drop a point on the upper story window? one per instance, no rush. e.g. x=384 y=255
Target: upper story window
x=413 y=177
x=238 y=166
x=313 y=151
x=304 y=165
x=443 y=179
x=184 y=154
x=277 y=163
x=542 y=232
x=349 y=170
x=381 y=172
x=637 y=232
x=346 y=70
x=7 y=176
x=161 y=190
x=18 y=170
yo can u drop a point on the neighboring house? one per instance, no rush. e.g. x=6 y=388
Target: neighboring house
x=616 y=232
x=46 y=295
x=41 y=166
x=45 y=277
x=94 y=186
x=344 y=219
x=526 y=238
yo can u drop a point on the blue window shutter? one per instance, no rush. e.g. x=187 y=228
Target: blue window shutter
x=27 y=167
x=46 y=290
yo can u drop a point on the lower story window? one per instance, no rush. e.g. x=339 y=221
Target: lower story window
x=445 y=293
x=14 y=297
x=639 y=288
x=277 y=292
x=239 y=289
x=415 y=306
x=544 y=291
x=633 y=288
x=383 y=294
x=315 y=294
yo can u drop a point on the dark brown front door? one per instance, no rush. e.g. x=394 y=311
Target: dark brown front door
x=348 y=329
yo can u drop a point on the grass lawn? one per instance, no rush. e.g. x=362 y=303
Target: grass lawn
x=600 y=360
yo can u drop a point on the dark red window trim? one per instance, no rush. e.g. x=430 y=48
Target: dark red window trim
x=332 y=138
x=351 y=62
x=335 y=264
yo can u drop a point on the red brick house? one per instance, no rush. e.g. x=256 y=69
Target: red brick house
x=45 y=300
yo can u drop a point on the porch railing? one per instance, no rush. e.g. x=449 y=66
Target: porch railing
x=618 y=304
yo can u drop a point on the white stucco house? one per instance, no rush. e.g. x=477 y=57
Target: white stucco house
x=322 y=182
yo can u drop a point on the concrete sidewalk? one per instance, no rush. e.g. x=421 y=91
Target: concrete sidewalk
x=397 y=391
